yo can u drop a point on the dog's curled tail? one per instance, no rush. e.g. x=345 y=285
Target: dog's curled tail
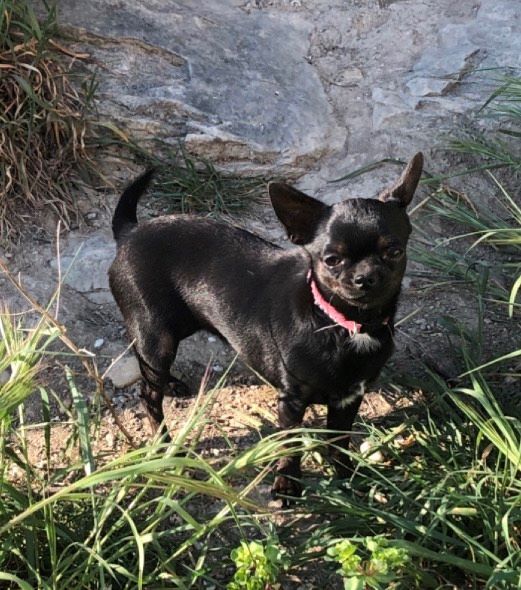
x=125 y=219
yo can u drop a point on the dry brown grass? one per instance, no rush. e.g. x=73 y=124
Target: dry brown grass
x=42 y=120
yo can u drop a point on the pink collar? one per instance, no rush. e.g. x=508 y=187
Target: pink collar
x=332 y=313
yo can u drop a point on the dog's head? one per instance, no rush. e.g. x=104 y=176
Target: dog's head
x=357 y=247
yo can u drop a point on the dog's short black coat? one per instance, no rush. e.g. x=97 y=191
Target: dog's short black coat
x=178 y=274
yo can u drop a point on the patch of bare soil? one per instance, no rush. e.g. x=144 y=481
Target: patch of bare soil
x=239 y=416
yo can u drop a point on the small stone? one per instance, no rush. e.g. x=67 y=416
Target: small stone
x=212 y=339
x=99 y=343
x=124 y=372
x=376 y=457
x=218 y=368
x=109 y=438
x=4 y=377
x=91 y=215
x=406 y=283
x=349 y=77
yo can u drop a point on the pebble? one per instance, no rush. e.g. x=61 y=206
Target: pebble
x=4 y=377
x=212 y=339
x=109 y=438
x=376 y=457
x=124 y=372
x=99 y=342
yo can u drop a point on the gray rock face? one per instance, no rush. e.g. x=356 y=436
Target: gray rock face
x=84 y=262
x=441 y=67
x=422 y=66
x=282 y=85
x=235 y=85
x=451 y=67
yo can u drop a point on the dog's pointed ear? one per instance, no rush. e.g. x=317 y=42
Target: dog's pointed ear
x=298 y=213
x=403 y=191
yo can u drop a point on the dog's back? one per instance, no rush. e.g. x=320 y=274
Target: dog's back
x=178 y=274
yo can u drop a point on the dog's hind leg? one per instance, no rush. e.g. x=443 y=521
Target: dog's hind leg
x=155 y=356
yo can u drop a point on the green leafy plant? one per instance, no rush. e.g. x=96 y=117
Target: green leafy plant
x=258 y=565
x=383 y=565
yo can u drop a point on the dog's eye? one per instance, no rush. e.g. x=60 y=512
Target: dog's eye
x=332 y=260
x=394 y=252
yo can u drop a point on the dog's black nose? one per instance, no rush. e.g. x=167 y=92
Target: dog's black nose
x=365 y=281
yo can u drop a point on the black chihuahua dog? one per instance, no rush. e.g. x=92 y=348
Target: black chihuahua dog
x=315 y=321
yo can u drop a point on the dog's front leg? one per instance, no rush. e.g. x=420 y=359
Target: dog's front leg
x=291 y=412
x=341 y=414
x=152 y=400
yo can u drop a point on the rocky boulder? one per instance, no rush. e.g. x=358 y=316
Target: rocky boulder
x=233 y=84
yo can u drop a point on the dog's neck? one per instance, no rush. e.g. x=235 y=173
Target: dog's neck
x=351 y=318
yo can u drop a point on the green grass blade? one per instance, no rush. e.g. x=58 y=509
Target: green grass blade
x=513 y=296
x=83 y=424
x=16 y=580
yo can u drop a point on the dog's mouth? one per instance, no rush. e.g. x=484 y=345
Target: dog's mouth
x=357 y=297
x=368 y=298
x=364 y=297
x=365 y=300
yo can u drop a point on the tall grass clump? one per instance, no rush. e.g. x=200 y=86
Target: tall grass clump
x=489 y=241
x=42 y=117
x=46 y=134
x=190 y=184
x=498 y=222
x=157 y=516
x=185 y=183
x=499 y=148
x=447 y=493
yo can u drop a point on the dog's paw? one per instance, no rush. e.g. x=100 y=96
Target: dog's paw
x=343 y=470
x=341 y=463
x=286 y=490
x=178 y=388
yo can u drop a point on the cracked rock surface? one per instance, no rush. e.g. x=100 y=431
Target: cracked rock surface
x=306 y=88
x=235 y=86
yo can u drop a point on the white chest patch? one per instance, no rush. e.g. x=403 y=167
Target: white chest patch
x=357 y=392
x=364 y=343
